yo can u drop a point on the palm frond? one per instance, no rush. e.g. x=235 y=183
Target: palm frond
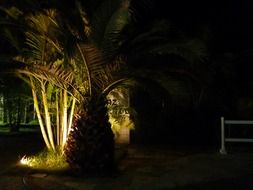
x=120 y=83
x=12 y=27
x=100 y=19
x=162 y=38
x=57 y=76
x=12 y=12
x=84 y=17
x=112 y=35
x=41 y=38
x=90 y=64
x=192 y=50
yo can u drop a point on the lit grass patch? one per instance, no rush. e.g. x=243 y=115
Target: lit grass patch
x=46 y=160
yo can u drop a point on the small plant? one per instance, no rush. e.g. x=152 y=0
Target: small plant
x=46 y=160
x=119 y=111
x=118 y=122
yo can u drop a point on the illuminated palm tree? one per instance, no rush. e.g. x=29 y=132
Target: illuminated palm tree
x=72 y=65
x=90 y=145
x=42 y=55
x=66 y=66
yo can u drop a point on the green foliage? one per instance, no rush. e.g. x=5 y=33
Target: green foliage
x=79 y=59
x=120 y=122
x=47 y=160
x=119 y=111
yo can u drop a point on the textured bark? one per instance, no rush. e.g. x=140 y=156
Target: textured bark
x=90 y=145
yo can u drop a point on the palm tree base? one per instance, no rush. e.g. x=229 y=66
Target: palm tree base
x=90 y=145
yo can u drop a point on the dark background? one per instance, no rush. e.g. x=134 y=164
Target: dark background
x=228 y=70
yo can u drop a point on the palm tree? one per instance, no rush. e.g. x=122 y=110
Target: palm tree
x=90 y=145
x=42 y=56
x=65 y=65
x=71 y=66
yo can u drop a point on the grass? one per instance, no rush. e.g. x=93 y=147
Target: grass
x=46 y=161
x=5 y=130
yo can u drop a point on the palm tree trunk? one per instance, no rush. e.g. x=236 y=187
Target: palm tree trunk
x=65 y=117
x=71 y=114
x=58 y=136
x=36 y=106
x=47 y=116
x=61 y=118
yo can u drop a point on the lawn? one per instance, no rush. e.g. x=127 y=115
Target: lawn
x=24 y=129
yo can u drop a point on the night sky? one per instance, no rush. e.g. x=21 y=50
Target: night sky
x=229 y=20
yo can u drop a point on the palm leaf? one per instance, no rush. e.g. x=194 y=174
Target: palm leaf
x=90 y=65
x=13 y=13
x=41 y=42
x=100 y=18
x=162 y=38
x=57 y=76
x=112 y=34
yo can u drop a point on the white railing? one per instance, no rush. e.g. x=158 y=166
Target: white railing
x=223 y=137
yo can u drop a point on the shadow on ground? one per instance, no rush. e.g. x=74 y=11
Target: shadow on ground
x=143 y=167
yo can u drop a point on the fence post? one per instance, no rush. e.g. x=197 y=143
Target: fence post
x=223 y=149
